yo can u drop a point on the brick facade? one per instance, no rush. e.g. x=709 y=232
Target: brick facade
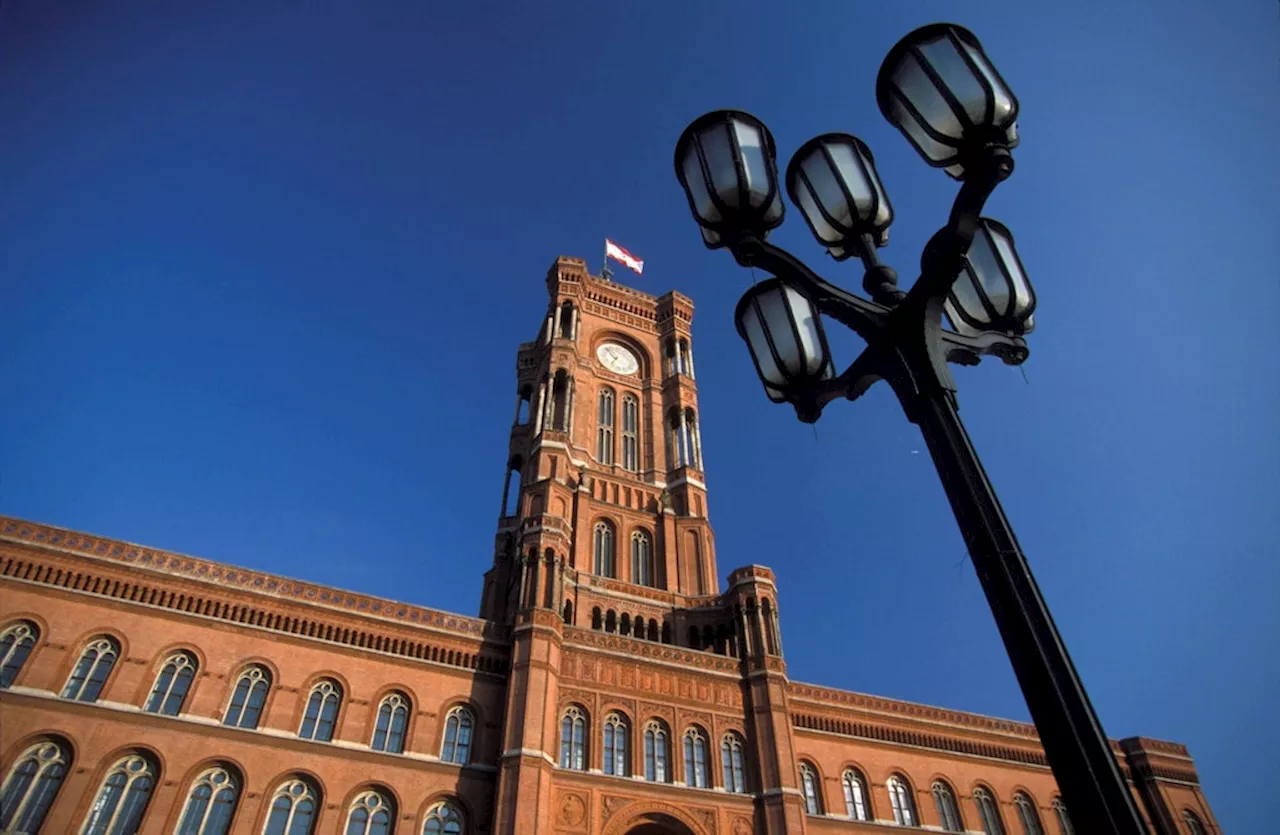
x=604 y=454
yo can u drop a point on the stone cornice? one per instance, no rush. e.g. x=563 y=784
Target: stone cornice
x=222 y=576
x=832 y=697
x=663 y=653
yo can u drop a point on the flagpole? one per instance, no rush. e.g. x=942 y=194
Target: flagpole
x=604 y=263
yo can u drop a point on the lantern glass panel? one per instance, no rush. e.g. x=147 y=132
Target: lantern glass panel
x=985 y=266
x=759 y=345
x=755 y=166
x=1004 y=106
x=968 y=302
x=1021 y=287
x=697 y=186
x=958 y=77
x=718 y=151
x=918 y=88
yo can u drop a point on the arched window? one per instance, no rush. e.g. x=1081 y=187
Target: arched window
x=605 y=564
x=122 y=799
x=393 y=720
x=948 y=810
x=732 y=772
x=170 y=689
x=641 y=558
x=812 y=791
x=695 y=758
x=1064 y=820
x=685 y=358
x=16 y=643
x=210 y=803
x=443 y=819
x=457 y=736
x=616 y=761
x=1192 y=820
x=560 y=401
x=31 y=786
x=293 y=809
x=900 y=800
x=630 y=433
x=91 y=671
x=322 y=711
x=573 y=739
x=692 y=442
x=604 y=428
x=248 y=698
x=988 y=812
x=855 y=795
x=566 y=321
x=1027 y=814
x=656 y=752
x=371 y=813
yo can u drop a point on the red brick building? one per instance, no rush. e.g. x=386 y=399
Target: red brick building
x=610 y=684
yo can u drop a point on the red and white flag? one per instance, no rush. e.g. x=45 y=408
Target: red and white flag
x=617 y=253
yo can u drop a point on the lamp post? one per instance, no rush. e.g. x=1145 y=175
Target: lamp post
x=938 y=87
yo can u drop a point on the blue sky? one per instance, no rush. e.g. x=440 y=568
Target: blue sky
x=264 y=271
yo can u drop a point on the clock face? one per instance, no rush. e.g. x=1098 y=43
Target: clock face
x=617 y=359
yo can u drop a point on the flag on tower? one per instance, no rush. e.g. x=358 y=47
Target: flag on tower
x=617 y=253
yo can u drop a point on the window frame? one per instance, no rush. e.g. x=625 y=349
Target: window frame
x=615 y=747
x=857 y=800
x=604 y=549
x=148 y=770
x=23 y=636
x=371 y=802
x=573 y=745
x=1028 y=813
x=696 y=773
x=264 y=677
x=460 y=718
x=206 y=779
x=733 y=766
x=160 y=699
x=642 y=564
x=310 y=792
x=388 y=733
x=657 y=752
x=606 y=420
x=811 y=789
x=989 y=816
x=103 y=646
x=630 y=433
x=452 y=810
x=901 y=799
x=339 y=694
x=942 y=789
x=48 y=755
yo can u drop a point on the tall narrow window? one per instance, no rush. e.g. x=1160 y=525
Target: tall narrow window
x=684 y=358
x=731 y=771
x=322 y=711
x=393 y=719
x=443 y=819
x=31 y=785
x=573 y=734
x=91 y=671
x=616 y=761
x=248 y=698
x=293 y=809
x=170 y=689
x=1192 y=820
x=457 y=736
x=811 y=789
x=566 y=321
x=1027 y=814
x=605 y=562
x=630 y=433
x=656 y=751
x=695 y=758
x=693 y=444
x=16 y=643
x=210 y=804
x=855 y=795
x=1064 y=820
x=988 y=812
x=948 y=810
x=904 y=808
x=122 y=799
x=641 y=558
x=560 y=401
x=604 y=428
x=371 y=813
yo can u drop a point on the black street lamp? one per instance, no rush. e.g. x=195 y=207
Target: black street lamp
x=938 y=87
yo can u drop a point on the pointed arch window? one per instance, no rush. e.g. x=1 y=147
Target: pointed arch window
x=810 y=787
x=656 y=752
x=573 y=739
x=31 y=786
x=393 y=720
x=122 y=798
x=293 y=809
x=1192 y=820
x=944 y=799
x=988 y=812
x=642 y=558
x=1027 y=814
x=322 y=711
x=16 y=642
x=695 y=758
x=458 y=728
x=900 y=800
x=616 y=750
x=732 y=772
x=855 y=795
x=1064 y=820
x=604 y=427
x=630 y=433
x=444 y=818
x=91 y=671
x=210 y=803
x=371 y=813
x=248 y=698
x=605 y=562
x=172 y=684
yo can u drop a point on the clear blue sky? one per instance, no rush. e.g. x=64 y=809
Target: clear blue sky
x=263 y=270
